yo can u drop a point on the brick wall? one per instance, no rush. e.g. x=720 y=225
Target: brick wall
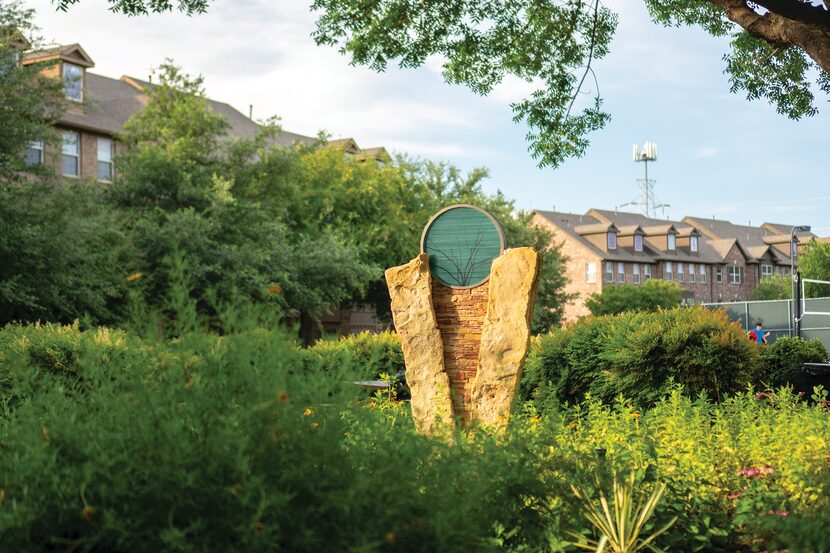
x=460 y=314
x=53 y=153
x=578 y=256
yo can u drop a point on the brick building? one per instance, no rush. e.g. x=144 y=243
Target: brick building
x=97 y=107
x=712 y=260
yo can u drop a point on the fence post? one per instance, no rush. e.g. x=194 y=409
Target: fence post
x=746 y=315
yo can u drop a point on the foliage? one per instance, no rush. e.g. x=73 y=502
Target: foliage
x=206 y=442
x=783 y=361
x=31 y=103
x=775 y=287
x=63 y=254
x=641 y=356
x=777 y=49
x=652 y=295
x=815 y=263
x=176 y=186
x=374 y=353
x=622 y=531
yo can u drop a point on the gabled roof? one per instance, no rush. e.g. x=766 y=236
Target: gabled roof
x=347 y=144
x=659 y=230
x=775 y=228
x=72 y=53
x=13 y=37
x=628 y=230
x=595 y=228
x=378 y=154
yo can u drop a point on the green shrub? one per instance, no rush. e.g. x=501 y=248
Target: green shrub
x=371 y=354
x=650 y=296
x=783 y=361
x=640 y=355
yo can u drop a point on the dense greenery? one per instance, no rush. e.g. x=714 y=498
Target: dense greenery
x=653 y=295
x=302 y=229
x=641 y=356
x=205 y=443
x=783 y=361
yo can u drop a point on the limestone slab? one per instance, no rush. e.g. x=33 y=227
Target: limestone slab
x=410 y=288
x=505 y=335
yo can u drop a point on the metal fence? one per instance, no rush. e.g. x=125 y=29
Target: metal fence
x=776 y=316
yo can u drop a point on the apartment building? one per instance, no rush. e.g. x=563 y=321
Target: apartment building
x=97 y=107
x=712 y=260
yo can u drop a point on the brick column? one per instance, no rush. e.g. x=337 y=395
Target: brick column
x=460 y=314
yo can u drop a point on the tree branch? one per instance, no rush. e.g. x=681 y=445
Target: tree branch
x=798 y=11
x=781 y=31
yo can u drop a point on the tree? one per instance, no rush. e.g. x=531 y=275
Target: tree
x=815 y=263
x=775 y=287
x=650 y=296
x=63 y=254
x=31 y=103
x=187 y=190
x=777 y=46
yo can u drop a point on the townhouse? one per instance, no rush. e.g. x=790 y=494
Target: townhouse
x=712 y=260
x=97 y=107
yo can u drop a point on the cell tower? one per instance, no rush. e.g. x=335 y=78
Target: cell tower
x=647 y=202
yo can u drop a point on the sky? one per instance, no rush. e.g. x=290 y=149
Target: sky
x=719 y=155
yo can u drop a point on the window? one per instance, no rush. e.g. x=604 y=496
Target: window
x=638 y=242
x=73 y=82
x=646 y=272
x=609 y=272
x=690 y=301
x=71 y=154
x=590 y=273
x=104 y=159
x=692 y=272
x=668 y=275
x=719 y=273
x=766 y=271
x=612 y=240
x=620 y=272
x=635 y=273
x=693 y=244
x=734 y=274
x=34 y=153
x=672 y=244
x=680 y=274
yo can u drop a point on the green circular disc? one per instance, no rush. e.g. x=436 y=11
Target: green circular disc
x=462 y=241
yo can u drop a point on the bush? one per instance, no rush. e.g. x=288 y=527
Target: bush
x=650 y=296
x=640 y=355
x=783 y=361
x=210 y=443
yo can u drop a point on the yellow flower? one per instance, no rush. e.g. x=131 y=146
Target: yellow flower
x=308 y=412
x=135 y=276
x=572 y=426
x=275 y=289
x=635 y=415
x=535 y=420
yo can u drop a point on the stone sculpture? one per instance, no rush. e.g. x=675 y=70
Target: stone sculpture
x=462 y=310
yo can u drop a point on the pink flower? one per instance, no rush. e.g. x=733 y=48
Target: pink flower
x=735 y=495
x=802 y=394
x=778 y=513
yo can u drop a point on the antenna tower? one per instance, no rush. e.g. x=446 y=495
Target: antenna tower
x=647 y=201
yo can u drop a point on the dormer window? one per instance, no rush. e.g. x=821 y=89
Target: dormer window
x=612 y=240
x=638 y=242
x=73 y=82
x=693 y=243
x=672 y=245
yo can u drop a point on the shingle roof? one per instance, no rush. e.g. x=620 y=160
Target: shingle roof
x=109 y=103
